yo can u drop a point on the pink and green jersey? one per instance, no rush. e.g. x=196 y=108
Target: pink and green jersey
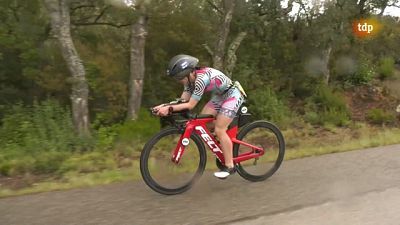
x=225 y=99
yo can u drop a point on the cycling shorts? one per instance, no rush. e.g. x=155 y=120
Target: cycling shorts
x=228 y=103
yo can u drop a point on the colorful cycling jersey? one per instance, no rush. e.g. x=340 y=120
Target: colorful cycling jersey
x=209 y=80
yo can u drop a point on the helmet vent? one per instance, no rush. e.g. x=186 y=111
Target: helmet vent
x=184 y=65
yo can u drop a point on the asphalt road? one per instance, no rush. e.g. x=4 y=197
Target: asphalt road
x=358 y=187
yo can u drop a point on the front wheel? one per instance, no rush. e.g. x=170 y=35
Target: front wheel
x=164 y=176
x=261 y=134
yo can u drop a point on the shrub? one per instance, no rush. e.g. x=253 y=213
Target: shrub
x=325 y=99
x=45 y=126
x=335 y=117
x=138 y=130
x=48 y=162
x=37 y=138
x=265 y=104
x=312 y=117
x=386 y=67
x=365 y=73
x=380 y=116
x=325 y=106
x=40 y=139
x=105 y=137
x=17 y=166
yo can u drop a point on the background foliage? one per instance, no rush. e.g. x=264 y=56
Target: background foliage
x=280 y=64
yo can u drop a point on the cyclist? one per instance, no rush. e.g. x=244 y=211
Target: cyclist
x=224 y=104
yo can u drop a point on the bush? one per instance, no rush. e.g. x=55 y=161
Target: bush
x=48 y=162
x=127 y=138
x=45 y=126
x=313 y=118
x=37 y=139
x=138 y=130
x=17 y=166
x=335 y=117
x=386 y=68
x=365 y=74
x=325 y=106
x=40 y=139
x=105 y=138
x=265 y=104
x=380 y=116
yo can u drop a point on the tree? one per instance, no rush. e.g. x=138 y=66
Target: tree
x=59 y=13
x=223 y=60
x=99 y=15
x=227 y=11
x=137 y=67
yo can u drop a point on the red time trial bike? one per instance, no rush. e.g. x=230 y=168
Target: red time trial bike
x=173 y=159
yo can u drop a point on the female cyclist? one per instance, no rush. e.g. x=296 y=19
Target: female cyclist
x=224 y=104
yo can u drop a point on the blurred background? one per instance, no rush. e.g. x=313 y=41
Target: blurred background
x=77 y=78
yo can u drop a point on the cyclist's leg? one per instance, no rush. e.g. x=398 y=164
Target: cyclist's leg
x=229 y=108
x=221 y=124
x=209 y=108
x=212 y=107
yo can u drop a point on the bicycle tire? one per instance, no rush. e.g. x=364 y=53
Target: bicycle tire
x=144 y=162
x=243 y=172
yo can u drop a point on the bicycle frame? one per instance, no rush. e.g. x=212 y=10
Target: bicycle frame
x=198 y=125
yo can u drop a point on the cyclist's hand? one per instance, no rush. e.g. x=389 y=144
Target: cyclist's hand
x=163 y=111
x=156 y=108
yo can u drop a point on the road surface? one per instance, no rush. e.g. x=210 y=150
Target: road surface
x=357 y=187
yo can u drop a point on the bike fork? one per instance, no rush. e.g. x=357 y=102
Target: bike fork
x=180 y=147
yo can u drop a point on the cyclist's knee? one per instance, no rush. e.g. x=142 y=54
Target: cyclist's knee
x=219 y=131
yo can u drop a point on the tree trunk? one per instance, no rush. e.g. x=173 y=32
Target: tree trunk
x=231 y=53
x=60 y=24
x=326 y=57
x=219 y=53
x=138 y=39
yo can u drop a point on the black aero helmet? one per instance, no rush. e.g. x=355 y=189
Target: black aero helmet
x=181 y=65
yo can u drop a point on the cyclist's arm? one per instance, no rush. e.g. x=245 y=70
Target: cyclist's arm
x=185 y=95
x=188 y=105
x=195 y=95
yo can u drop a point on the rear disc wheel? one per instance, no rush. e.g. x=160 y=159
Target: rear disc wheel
x=267 y=136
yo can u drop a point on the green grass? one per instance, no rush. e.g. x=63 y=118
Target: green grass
x=368 y=138
x=76 y=180
x=301 y=143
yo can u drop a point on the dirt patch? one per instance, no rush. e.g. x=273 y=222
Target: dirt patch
x=322 y=136
x=393 y=84
x=15 y=183
x=364 y=98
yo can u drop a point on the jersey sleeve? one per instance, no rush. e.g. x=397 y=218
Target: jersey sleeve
x=200 y=85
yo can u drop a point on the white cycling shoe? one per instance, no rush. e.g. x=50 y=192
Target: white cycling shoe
x=225 y=172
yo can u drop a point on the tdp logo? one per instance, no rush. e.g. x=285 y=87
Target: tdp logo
x=365 y=27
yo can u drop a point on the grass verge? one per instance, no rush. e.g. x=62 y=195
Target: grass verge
x=77 y=180
x=301 y=143
x=365 y=138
